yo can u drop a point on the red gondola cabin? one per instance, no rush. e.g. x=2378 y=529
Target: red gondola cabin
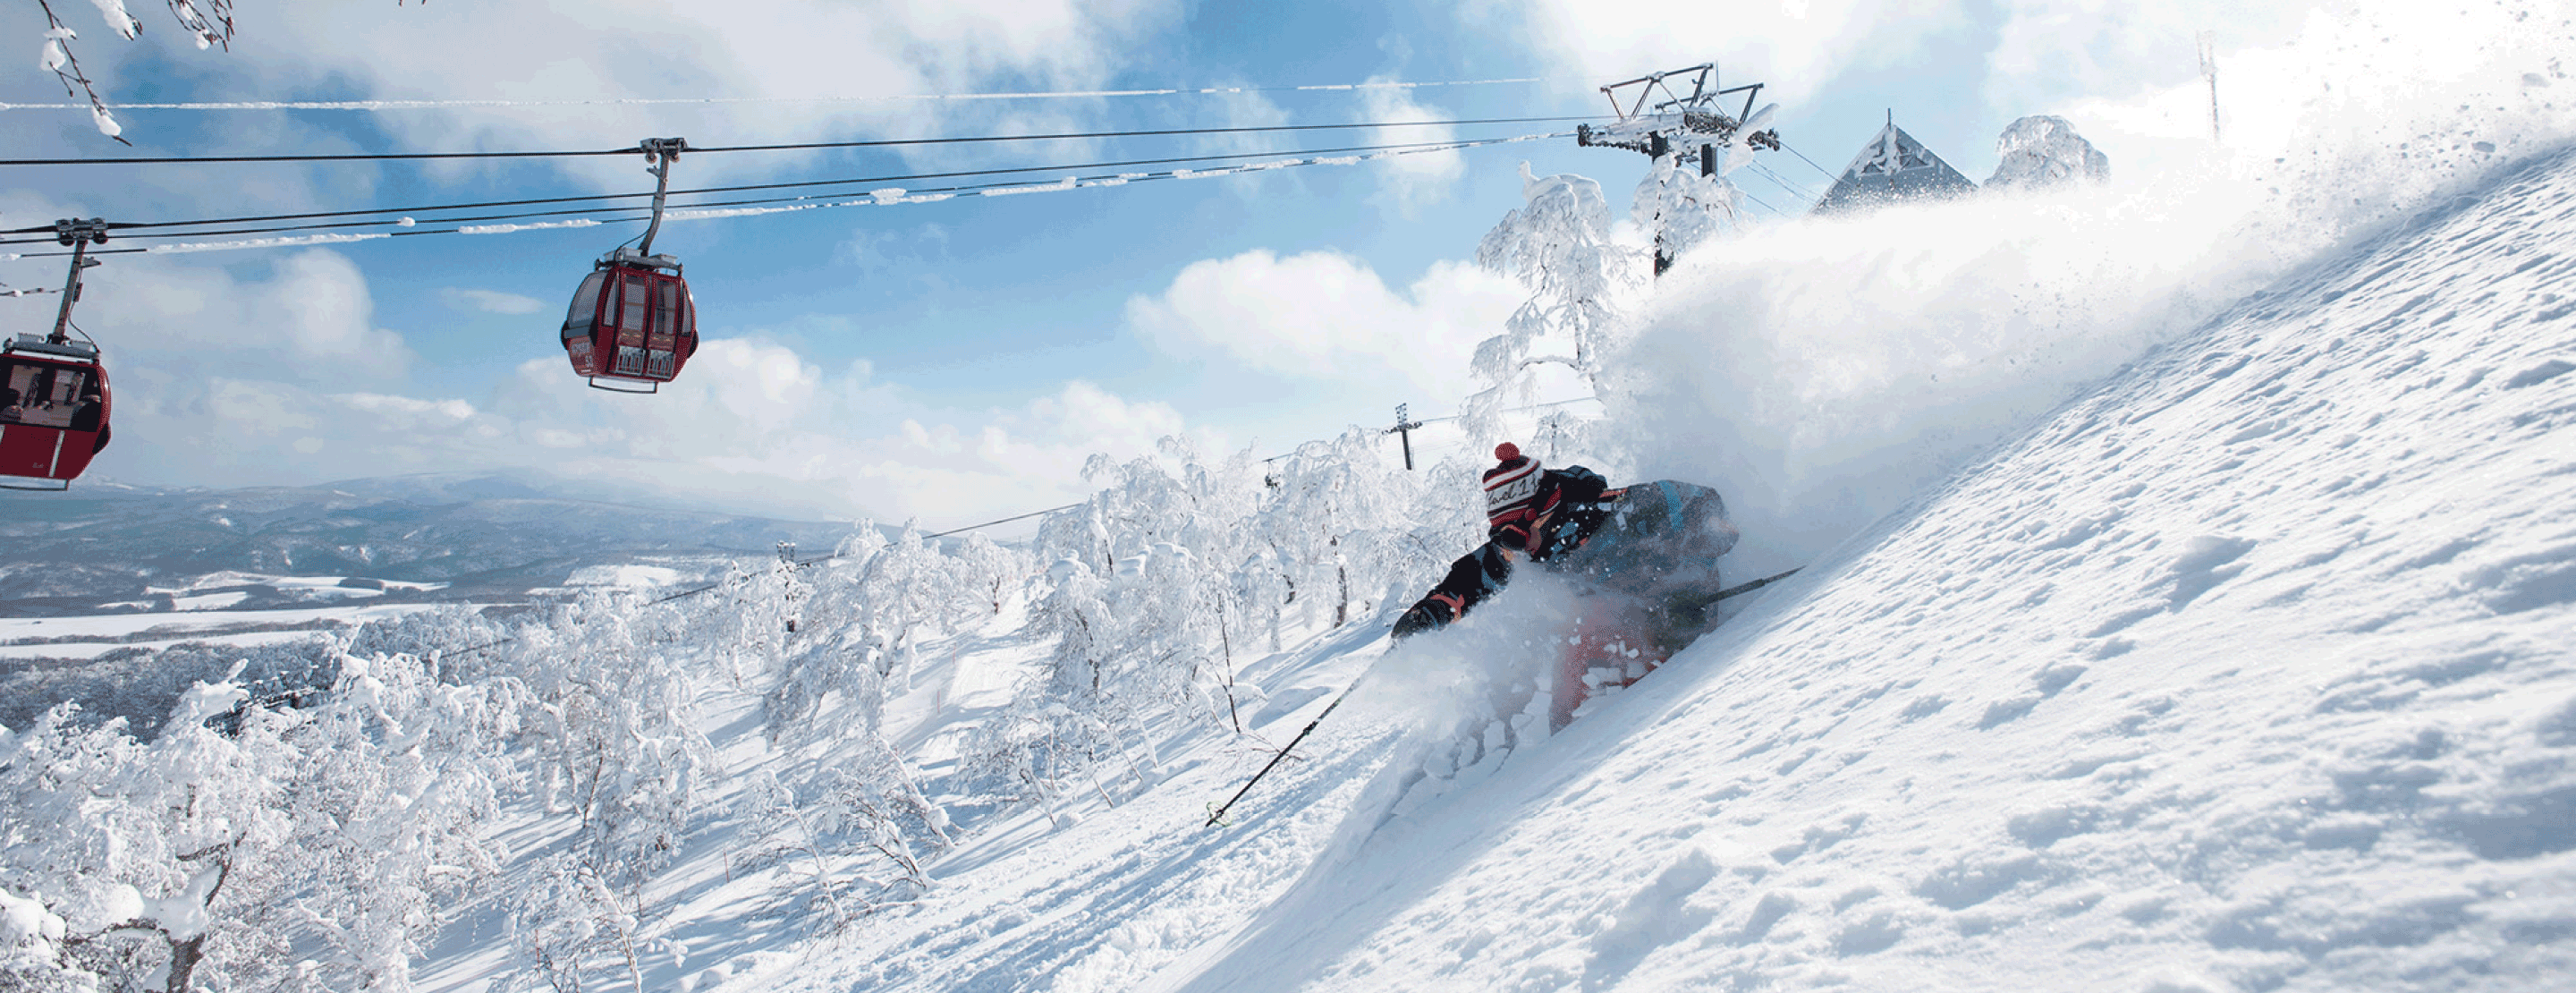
x=631 y=323
x=53 y=412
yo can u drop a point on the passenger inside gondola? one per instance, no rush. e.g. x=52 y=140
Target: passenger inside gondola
x=13 y=391
x=85 y=414
x=42 y=395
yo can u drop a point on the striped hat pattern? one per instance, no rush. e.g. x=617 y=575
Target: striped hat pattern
x=1509 y=490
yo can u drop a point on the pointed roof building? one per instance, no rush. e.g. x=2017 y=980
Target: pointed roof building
x=1893 y=167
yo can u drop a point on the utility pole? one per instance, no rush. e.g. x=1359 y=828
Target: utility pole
x=1670 y=126
x=1405 y=426
x=2209 y=71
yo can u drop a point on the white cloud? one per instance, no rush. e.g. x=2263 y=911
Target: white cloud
x=271 y=372
x=1327 y=316
x=609 y=49
x=749 y=424
x=1414 y=180
x=1795 y=48
x=303 y=315
x=2048 y=52
x=2035 y=56
x=491 y=301
x=320 y=302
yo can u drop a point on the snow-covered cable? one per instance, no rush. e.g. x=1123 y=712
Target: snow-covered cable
x=1802 y=157
x=801 y=146
x=872 y=198
x=1803 y=200
x=127 y=228
x=386 y=105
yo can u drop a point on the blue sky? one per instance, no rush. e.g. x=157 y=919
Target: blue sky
x=951 y=360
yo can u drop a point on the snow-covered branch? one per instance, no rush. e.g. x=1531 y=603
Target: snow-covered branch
x=210 y=21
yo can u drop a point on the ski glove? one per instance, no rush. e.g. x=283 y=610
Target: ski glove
x=1423 y=617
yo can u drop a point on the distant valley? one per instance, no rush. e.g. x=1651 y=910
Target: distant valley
x=408 y=539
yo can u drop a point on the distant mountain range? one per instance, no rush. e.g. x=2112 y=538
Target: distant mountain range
x=111 y=547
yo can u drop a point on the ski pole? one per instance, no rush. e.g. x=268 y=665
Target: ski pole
x=1219 y=813
x=1752 y=586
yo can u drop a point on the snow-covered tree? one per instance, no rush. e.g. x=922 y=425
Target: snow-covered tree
x=2043 y=151
x=162 y=860
x=907 y=591
x=240 y=833
x=744 y=622
x=398 y=772
x=1209 y=566
x=1560 y=246
x=572 y=920
x=1337 y=515
x=623 y=719
x=1684 y=205
x=989 y=573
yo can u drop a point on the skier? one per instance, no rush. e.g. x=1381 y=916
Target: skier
x=1644 y=555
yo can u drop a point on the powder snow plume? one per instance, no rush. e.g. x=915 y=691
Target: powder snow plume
x=1825 y=373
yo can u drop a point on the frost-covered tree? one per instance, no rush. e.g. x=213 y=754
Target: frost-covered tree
x=1080 y=534
x=2044 y=151
x=1559 y=245
x=200 y=859
x=841 y=817
x=1209 y=567
x=989 y=573
x=847 y=840
x=572 y=920
x=907 y=591
x=1150 y=634
x=31 y=939
x=1076 y=613
x=1684 y=205
x=744 y=623
x=162 y=860
x=618 y=692
x=1053 y=732
x=1338 y=515
x=398 y=773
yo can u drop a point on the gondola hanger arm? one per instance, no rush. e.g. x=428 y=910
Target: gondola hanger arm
x=662 y=153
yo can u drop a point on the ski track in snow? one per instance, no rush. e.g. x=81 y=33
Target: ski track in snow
x=2250 y=670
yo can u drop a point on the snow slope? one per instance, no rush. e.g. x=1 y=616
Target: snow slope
x=2248 y=669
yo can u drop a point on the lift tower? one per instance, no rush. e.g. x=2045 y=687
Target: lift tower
x=1658 y=118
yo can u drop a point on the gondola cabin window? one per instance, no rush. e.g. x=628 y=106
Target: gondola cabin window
x=578 y=327
x=45 y=395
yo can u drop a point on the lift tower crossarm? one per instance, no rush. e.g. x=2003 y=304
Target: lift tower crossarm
x=1676 y=123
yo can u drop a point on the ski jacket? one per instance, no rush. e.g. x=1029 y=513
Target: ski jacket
x=1658 y=540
